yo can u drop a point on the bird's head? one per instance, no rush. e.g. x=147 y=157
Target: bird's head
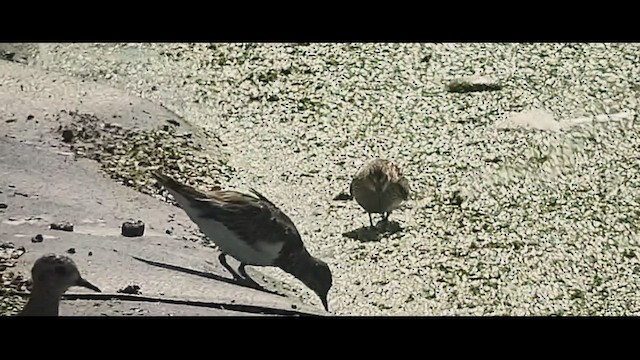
x=57 y=273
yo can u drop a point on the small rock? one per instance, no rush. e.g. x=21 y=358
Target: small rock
x=294 y=306
x=9 y=55
x=154 y=88
x=343 y=196
x=62 y=226
x=29 y=117
x=10 y=121
x=132 y=229
x=20 y=193
x=67 y=135
x=37 y=239
x=3 y=206
x=168 y=231
x=71 y=251
x=90 y=253
x=7 y=245
x=112 y=126
x=473 y=83
x=173 y=122
x=457 y=198
x=130 y=289
x=186 y=135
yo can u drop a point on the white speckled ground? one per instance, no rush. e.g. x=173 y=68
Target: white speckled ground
x=549 y=224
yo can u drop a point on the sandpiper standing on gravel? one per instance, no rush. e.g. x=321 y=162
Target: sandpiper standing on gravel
x=52 y=275
x=252 y=230
x=379 y=187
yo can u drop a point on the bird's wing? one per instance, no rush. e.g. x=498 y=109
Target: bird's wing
x=253 y=219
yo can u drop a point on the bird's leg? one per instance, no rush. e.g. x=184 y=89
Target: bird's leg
x=223 y=261
x=370 y=220
x=246 y=276
x=385 y=219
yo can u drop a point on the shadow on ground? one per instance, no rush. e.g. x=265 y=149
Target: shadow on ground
x=378 y=232
x=204 y=274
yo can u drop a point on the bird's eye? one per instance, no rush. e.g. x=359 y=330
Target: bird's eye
x=60 y=270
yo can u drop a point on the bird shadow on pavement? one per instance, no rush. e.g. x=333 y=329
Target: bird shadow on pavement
x=378 y=232
x=205 y=275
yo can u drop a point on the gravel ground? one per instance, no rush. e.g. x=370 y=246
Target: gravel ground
x=514 y=221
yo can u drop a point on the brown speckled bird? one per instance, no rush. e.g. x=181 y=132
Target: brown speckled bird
x=52 y=275
x=379 y=187
x=253 y=231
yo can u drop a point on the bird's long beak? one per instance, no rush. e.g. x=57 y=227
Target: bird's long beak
x=324 y=303
x=84 y=283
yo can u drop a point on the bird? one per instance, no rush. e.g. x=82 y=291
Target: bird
x=51 y=276
x=379 y=187
x=253 y=230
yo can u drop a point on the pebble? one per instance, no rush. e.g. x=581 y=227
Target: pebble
x=64 y=226
x=132 y=229
x=130 y=289
x=67 y=135
x=343 y=196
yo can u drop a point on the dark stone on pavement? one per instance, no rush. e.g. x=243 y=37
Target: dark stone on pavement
x=130 y=289
x=71 y=251
x=133 y=229
x=62 y=226
x=67 y=135
x=37 y=239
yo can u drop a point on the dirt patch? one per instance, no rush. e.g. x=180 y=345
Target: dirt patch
x=127 y=154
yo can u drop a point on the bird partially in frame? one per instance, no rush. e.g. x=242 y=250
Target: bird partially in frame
x=379 y=187
x=51 y=276
x=252 y=230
